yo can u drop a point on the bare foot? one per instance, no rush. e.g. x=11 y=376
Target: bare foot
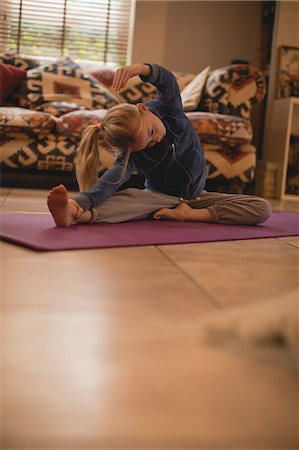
x=58 y=202
x=180 y=213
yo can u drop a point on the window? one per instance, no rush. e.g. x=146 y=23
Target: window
x=82 y=29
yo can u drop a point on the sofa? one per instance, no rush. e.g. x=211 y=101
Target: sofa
x=46 y=106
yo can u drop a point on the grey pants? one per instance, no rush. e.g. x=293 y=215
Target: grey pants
x=135 y=204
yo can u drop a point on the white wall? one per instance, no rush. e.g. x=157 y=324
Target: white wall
x=149 y=31
x=189 y=35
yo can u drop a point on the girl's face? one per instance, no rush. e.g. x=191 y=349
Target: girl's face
x=152 y=130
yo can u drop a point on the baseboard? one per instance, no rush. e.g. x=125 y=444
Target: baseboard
x=37 y=180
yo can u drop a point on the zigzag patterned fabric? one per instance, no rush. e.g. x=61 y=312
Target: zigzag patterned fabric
x=63 y=81
x=31 y=142
x=18 y=120
x=233 y=90
x=232 y=167
x=220 y=128
x=231 y=163
x=64 y=99
x=32 y=151
x=19 y=61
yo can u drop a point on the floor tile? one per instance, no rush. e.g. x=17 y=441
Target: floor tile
x=282 y=205
x=103 y=348
x=135 y=280
x=240 y=271
x=3 y=195
x=292 y=240
x=89 y=381
x=27 y=200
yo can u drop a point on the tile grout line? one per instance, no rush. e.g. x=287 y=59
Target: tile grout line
x=198 y=285
x=5 y=197
x=288 y=243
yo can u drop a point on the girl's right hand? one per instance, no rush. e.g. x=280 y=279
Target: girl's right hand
x=123 y=74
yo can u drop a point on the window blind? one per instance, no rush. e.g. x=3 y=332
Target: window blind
x=82 y=29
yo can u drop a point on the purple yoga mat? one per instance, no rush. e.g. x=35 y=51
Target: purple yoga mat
x=38 y=232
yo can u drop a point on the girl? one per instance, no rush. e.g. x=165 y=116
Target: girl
x=157 y=139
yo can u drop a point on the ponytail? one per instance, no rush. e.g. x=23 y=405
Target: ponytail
x=114 y=135
x=88 y=159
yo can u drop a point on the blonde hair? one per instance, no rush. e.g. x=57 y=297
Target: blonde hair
x=117 y=131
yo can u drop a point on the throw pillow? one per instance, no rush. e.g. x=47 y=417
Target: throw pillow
x=192 y=93
x=136 y=91
x=183 y=79
x=10 y=78
x=58 y=109
x=64 y=81
x=19 y=61
x=18 y=120
x=104 y=75
x=233 y=90
x=220 y=129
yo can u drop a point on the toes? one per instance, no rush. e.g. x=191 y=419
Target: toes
x=164 y=212
x=161 y=215
x=158 y=214
x=59 y=187
x=60 y=190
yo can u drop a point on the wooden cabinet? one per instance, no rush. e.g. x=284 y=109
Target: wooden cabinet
x=286 y=131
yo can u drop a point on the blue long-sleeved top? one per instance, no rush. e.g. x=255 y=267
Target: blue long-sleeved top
x=175 y=166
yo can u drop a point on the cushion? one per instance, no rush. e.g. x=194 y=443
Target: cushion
x=183 y=78
x=220 y=128
x=19 y=119
x=104 y=75
x=10 y=78
x=27 y=151
x=191 y=94
x=59 y=108
x=231 y=163
x=74 y=123
x=64 y=81
x=136 y=91
x=233 y=90
x=19 y=61
x=139 y=91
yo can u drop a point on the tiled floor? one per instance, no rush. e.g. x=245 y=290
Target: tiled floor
x=102 y=348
